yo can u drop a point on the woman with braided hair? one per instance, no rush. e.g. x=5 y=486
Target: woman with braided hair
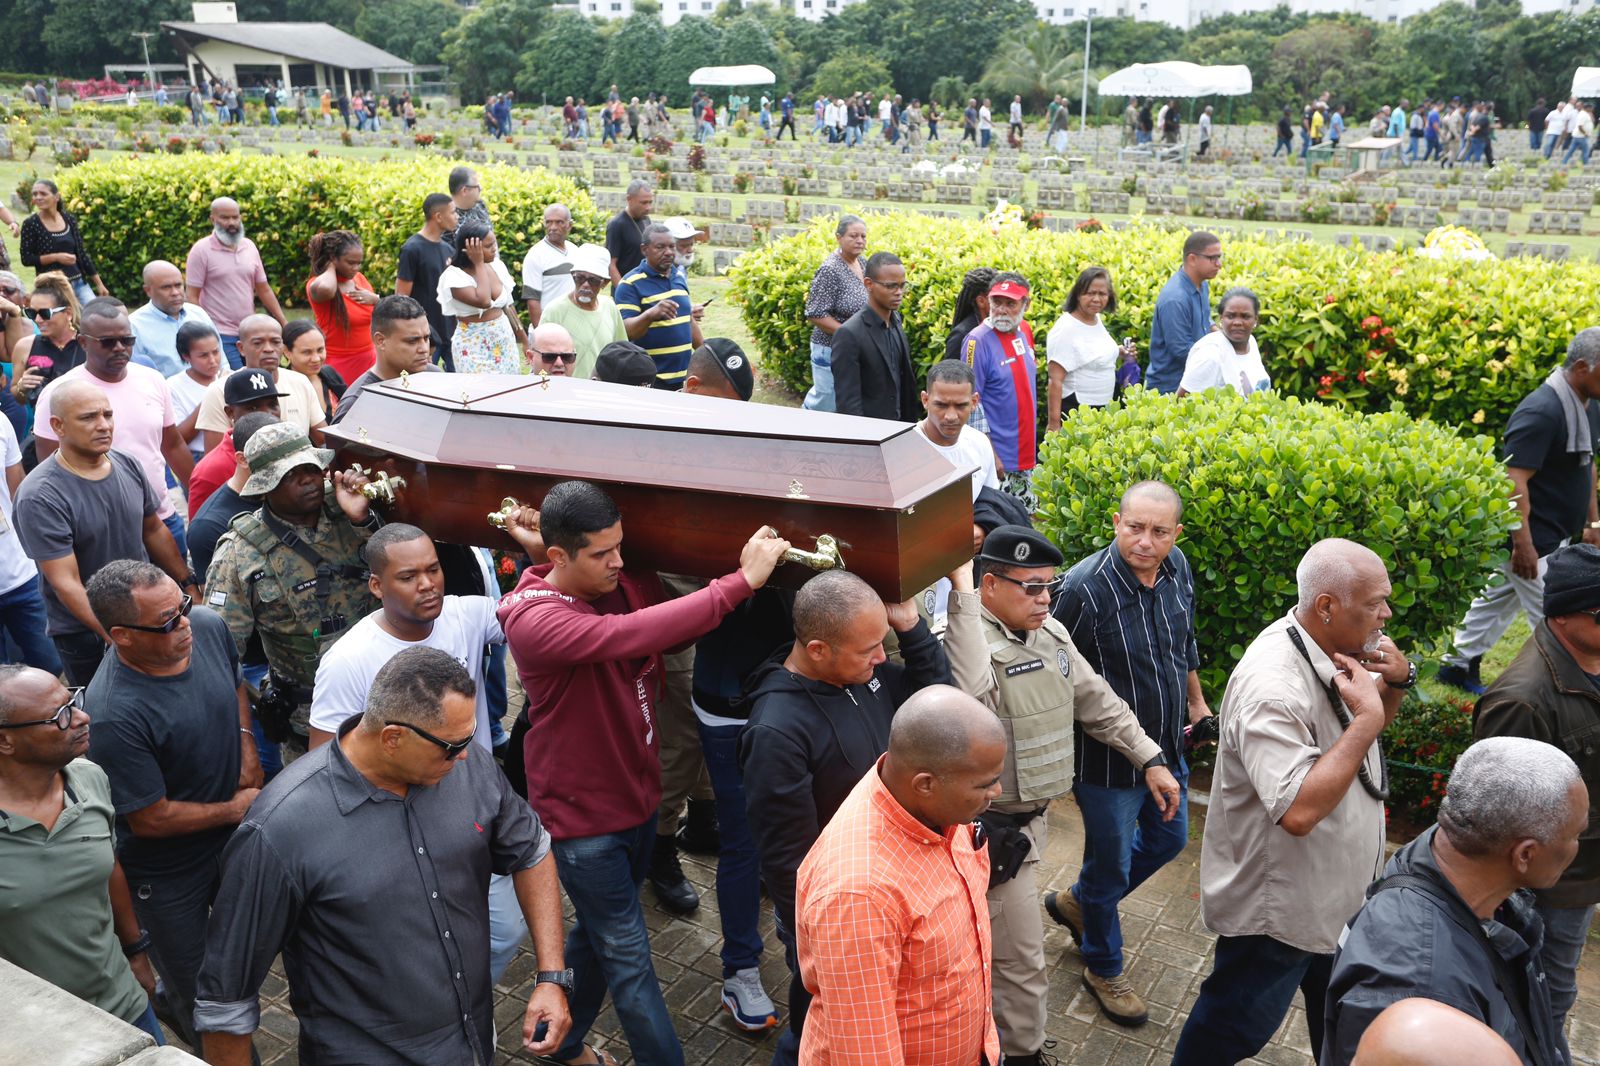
x=342 y=300
x=972 y=307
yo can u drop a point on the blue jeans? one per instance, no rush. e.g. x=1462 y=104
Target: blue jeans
x=1577 y=144
x=83 y=290
x=984 y=137
x=1474 y=150
x=494 y=691
x=1246 y=998
x=148 y=1022
x=174 y=524
x=230 y=348
x=738 y=862
x=272 y=115
x=1124 y=842
x=787 y=1053
x=1285 y=145
x=820 y=396
x=1433 y=151
x=175 y=909
x=1565 y=930
x=81 y=652
x=22 y=617
x=508 y=928
x=1550 y=140
x=1305 y=142
x=1534 y=139
x=608 y=947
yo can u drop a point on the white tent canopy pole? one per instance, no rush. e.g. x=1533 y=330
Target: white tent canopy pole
x=748 y=74
x=1177 y=78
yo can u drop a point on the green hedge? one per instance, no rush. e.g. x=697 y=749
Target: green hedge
x=1264 y=478
x=1457 y=342
x=133 y=211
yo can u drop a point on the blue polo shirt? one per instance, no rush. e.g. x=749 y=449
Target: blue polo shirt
x=669 y=341
x=155 y=334
x=1182 y=316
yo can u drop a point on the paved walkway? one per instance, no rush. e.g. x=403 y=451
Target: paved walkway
x=1168 y=952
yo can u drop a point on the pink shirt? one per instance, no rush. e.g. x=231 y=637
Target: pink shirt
x=141 y=409
x=227 y=280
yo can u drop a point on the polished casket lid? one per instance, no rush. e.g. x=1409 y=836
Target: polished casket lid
x=567 y=427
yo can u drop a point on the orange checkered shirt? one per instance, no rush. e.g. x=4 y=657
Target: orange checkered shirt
x=893 y=940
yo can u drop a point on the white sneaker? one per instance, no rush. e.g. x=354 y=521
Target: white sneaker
x=748 y=1002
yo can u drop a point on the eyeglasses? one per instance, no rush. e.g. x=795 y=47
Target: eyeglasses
x=1029 y=588
x=1214 y=258
x=184 y=607
x=450 y=749
x=42 y=314
x=591 y=280
x=553 y=357
x=62 y=719
x=126 y=340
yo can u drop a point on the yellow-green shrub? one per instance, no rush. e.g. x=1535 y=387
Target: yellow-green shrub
x=133 y=211
x=1264 y=478
x=1466 y=341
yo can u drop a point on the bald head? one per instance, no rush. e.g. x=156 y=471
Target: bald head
x=937 y=729
x=1336 y=567
x=224 y=205
x=554 y=347
x=163 y=284
x=829 y=604
x=1344 y=596
x=72 y=394
x=226 y=223
x=1424 y=1032
x=1158 y=492
x=261 y=342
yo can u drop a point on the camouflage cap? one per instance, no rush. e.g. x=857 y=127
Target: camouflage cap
x=274 y=451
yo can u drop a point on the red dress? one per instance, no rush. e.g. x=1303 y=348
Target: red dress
x=350 y=348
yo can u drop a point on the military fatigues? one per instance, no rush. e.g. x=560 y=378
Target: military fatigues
x=1038 y=685
x=259 y=583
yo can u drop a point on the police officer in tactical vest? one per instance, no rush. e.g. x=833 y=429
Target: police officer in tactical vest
x=1007 y=651
x=292 y=572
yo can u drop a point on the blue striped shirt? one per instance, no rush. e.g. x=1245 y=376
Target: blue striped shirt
x=670 y=341
x=1141 y=640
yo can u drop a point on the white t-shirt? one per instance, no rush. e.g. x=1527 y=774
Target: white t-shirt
x=464 y=626
x=1016 y=112
x=970 y=449
x=141 y=409
x=1205 y=126
x=15 y=566
x=1555 y=123
x=302 y=406
x=186 y=396
x=1582 y=125
x=1214 y=364
x=456 y=278
x=985 y=121
x=547 y=270
x=885 y=107
x=1089 y=356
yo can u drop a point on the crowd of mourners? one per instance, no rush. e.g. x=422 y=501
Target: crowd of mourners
x=277 y=726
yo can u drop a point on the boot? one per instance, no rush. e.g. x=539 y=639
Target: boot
x=698 y=833
x=1117 y=999
x=1064 y=910
x=666 y=877
x=1043 y=1057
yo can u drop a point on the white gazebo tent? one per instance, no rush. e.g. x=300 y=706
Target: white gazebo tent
x=747 y=74
x=1177 y=78
x=1586 y=81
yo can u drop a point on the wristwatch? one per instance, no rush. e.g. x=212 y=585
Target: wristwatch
x=1411 y=678
x=562 y=978
x=1158 y=760
x=138 y=947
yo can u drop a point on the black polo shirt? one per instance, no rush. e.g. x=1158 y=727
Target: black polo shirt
x=624 y=240
x=1563 y=482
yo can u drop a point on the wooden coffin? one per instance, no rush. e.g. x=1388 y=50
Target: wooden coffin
x=694 y=477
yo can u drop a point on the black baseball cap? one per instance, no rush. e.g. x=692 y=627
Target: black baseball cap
x=733 y=363
x=625 y=363
x=248 y=385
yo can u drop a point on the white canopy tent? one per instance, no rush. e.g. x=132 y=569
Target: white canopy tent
x=748 y=74
x=1177 y=78
x=1586 y=81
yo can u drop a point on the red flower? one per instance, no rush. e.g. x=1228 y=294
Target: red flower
x=1330 y=298
x=1362 y=377
x=507 y=567
x=1371 y=322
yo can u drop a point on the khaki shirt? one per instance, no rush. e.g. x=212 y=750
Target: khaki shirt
x=1256 y=878
x=1101 y=712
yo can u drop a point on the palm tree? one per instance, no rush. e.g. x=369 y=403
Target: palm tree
x=1036 y=63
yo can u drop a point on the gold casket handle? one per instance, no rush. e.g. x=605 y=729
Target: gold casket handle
x=826 y=557
x=383 y=487
x=497 y=519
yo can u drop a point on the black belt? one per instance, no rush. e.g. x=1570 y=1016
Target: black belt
x=1019 y=819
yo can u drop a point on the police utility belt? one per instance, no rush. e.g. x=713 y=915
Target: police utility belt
x=1008 y=844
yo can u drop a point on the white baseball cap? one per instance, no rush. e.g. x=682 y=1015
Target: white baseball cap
x=680 y=228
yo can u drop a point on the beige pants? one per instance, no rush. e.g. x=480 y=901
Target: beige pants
x=683 y=766
x=1016 y=923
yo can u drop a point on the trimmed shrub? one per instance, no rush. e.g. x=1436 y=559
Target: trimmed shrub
x=1457 y=342
x=133 y=211
x=1265 y=477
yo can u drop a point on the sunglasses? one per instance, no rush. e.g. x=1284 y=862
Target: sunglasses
x=450 y=749
x=554 y=357
x=42 y=314
x=126 y=340
x=184 y=607
x=1029 y=588
x=62 y=719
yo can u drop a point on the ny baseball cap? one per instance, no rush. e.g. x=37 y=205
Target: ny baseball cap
x=247 y=386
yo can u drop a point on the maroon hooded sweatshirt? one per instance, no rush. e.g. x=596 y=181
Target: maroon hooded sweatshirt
x=592 y=672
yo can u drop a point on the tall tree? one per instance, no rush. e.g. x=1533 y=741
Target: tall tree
x=411 y=29
x=483 y=50
x=566 y=59
x=852 y=71
x=633 y=57
x=691 y=43
x=1035 y=63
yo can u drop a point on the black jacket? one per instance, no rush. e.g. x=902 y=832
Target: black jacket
x=807 y=745
x=1545 y=695
x=863 y=349
x=1404 y=944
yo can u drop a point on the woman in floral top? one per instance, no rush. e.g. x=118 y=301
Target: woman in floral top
x=838 y=291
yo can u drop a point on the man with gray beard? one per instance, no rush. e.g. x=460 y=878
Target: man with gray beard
x=225 y=277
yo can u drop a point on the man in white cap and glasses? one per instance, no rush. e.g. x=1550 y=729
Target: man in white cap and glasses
x=587 y=313
x=685 y=234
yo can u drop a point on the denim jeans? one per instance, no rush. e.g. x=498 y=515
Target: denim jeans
x=174 y=524
x=1124 y=842
x=820 y=396
x=608 y=947
x=22 y=617
x=738 y=862
x=1534 y=140
x=149 y=1023
x=494 y=691
x=787 y=1053
x=1475 y=147
x=1433 y=151
x=80 y=654
x=1246 y=998
x=1576 y=144
x=1565 y=930
x=984 y=137
x=230 y=349
x=508 y=927
x=174 y=909
x=1285 y=145
x=1550 y=140
x=84 y=291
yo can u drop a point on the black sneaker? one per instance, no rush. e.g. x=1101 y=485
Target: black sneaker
x=666 y=877
x=698 y=833
x=1461 y=677
x=1042 y=1057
